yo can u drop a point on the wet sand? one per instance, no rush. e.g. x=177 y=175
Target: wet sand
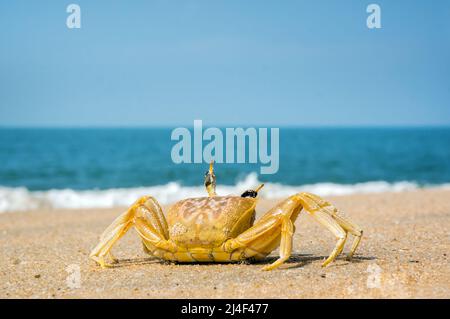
x=403 y=254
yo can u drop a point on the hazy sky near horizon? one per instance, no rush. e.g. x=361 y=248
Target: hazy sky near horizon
x=145 y=63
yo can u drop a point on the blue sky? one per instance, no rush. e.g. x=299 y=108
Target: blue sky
x=147 y=63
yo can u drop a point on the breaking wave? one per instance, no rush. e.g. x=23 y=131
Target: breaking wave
x=20 y=198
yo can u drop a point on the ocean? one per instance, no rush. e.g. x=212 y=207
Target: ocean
x=107 y=167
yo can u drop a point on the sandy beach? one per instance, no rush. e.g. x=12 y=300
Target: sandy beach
x=404 y=254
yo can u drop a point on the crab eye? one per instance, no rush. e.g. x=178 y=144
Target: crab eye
x=206 y=173
x=249 y=193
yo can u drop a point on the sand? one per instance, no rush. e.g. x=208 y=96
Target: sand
x=404 y=254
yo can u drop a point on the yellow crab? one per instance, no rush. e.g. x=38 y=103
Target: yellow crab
x=220 y=228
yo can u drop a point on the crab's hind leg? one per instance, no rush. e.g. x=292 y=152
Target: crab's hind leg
x=333 y=226
x=327 y=215
x=353 y=229
x=147 y=218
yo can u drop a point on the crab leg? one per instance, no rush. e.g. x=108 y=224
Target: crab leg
x=276 y=227
x=287 y=232
x=353 y=229
x=147 y=218
x=328 y=216
x=328 y=221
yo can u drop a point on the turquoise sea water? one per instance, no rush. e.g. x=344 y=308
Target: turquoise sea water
x=40 y=161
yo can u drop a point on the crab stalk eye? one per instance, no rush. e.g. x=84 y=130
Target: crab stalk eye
x=259 y=187
x=210 y=180
x=252 y=193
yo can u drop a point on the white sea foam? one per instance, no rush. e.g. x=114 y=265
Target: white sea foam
x=19 y=199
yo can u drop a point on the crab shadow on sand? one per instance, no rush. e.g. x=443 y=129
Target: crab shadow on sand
x=295 y=261
x=301 y=260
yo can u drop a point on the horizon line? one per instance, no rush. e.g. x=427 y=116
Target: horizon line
x=171 y=126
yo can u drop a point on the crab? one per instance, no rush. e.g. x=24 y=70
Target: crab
x=221 y=228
